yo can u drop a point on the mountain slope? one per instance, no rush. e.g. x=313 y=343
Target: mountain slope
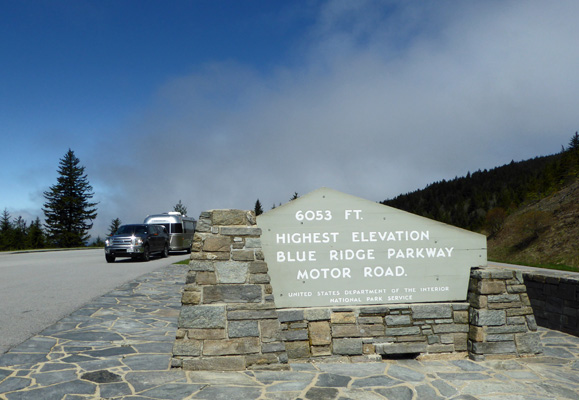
x=528 y=209
x=542 y=232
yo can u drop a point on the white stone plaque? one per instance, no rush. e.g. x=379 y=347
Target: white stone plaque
x=328 y=248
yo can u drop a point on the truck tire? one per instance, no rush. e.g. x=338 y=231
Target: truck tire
x=146 y=254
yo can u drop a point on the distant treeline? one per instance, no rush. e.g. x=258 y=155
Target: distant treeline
x=468 y=201
x=17 y=234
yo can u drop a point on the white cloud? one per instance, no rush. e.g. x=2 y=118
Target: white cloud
x=381 y=99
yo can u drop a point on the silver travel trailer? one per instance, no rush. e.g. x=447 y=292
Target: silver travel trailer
x=181 y=229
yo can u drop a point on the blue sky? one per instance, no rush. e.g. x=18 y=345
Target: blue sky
x=219 y=103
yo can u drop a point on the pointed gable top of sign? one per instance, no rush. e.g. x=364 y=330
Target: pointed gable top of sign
x=328 y=239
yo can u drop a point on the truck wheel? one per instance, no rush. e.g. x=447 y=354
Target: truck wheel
x=165 y=251
x=146 y=255
x=110 y=259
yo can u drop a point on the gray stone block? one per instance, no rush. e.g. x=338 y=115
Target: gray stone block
x=503 y=329
x=375 y=310
x=294 y=335
x=431 y=311
x=519 y=320
x=493 y=347
x=296 y=350
x=504 y=298
x=253 y=243
x=232 y=294
x=516 y=289
x=274 y=347
x=242 y=329
x=451 y=328
x=351 y=346
x=232 y=363
x=203 y=225
x=487 y=317
x=203 y=316
x=201 y=265
x=251 y=314
x=528 y=343
x=531 y=322
x=187 y=348
x=317 y=314
x=231 y=271
x=229 y=217
x=501 y=273
x=500 y=337
x=258 y=267
x=235 y=231
x=393 y=320
x=440 y=348
x=290 y=315
x=243 y=255
x=401 y=348
x=236 y=346
x=410 y=330
x=478 y=274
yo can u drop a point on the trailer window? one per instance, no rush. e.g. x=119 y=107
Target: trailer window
x=189 y=226
x=176 y=228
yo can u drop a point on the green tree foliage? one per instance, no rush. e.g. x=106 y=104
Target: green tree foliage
x=68 y=211
x=19 y=232
x=534 y=222
x=495 y=220
x=115 y=224
x=571 y=157
x=98 y=242
x=5 y=231
x=35 y=239
x=257 y=208
x=18 y=235
x=295 y=196
x=467 y=201
x=180 y=208
x=574 y=143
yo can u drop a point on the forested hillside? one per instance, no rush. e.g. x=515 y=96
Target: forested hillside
x=542 y=233
x=513 y=196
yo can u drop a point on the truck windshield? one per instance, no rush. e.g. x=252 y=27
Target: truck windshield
x=131 y=229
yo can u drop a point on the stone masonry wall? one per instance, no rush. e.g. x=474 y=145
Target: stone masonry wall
x=500 y=315
x=373 y=332
x=229 y=320
x=555 y=299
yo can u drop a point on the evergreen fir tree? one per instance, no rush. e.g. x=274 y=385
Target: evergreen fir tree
x=98 y=242
x=5 y=231
x=257 y=208
x=35 y=236
x=180 y=208
x=115 y=224
x=68 y=210
x=574 y=143
x=19 y=233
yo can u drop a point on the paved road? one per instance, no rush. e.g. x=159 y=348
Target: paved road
x=37 y=289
